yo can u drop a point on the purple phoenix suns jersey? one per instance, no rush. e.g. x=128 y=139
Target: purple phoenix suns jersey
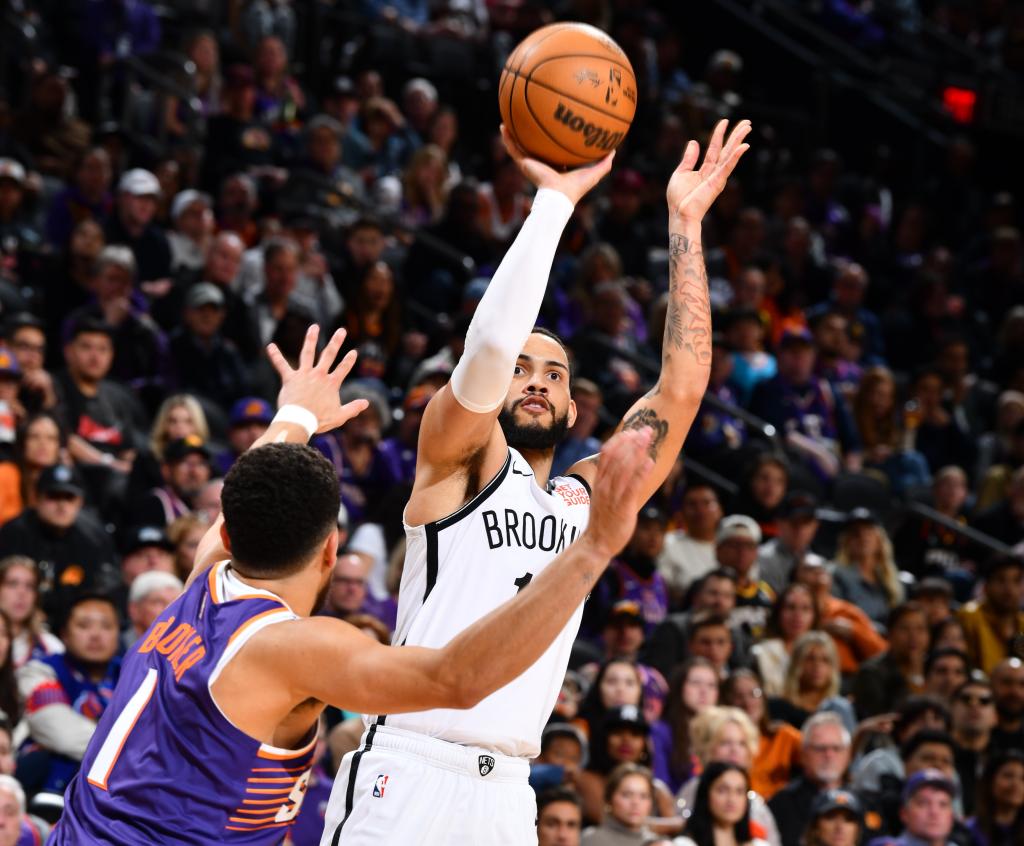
x=165 y=765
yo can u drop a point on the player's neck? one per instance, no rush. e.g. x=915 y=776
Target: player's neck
x=299 y=590
x=540 y=461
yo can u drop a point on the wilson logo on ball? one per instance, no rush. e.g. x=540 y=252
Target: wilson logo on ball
x=593 y=135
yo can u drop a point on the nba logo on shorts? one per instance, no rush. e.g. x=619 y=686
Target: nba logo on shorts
x=378 y=786
x=485 y=763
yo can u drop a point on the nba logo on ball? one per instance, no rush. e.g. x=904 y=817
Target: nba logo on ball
x=378 y=787
x=485 y=763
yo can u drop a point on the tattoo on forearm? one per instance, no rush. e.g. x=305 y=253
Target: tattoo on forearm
x=688 y=321
x=648 y=417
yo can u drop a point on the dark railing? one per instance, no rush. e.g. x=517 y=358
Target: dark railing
x=973 y=535
x=163 y=75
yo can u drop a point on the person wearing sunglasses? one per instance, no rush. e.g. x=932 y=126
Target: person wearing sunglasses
x=973 y=718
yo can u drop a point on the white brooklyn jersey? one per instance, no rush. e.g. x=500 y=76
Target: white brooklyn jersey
x=461 y=568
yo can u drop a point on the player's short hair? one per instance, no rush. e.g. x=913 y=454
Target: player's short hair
x=280 y=502
x=547 y=333
x=558 y=794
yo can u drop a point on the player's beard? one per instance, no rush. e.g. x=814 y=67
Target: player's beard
x=532 y=436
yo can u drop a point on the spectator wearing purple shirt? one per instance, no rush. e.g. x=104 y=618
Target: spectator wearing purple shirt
x=88 y=197
x=348 y=594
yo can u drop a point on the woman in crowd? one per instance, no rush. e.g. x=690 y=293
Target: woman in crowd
x=41 y=445
x=629 y=798
x=618 y=683
x=778 y=753
x=19 y=601
x=424 y=186
x=721 y=813
x=793 y=615
x=867 y=576
x=185 y=533
x=179 y=416
x=692 y=690
x=763 y=492
x=812 y=682
x=999 y=817
x=375 y=312
x=727 y=734
x=879 y=421
x=622 y=737
x=836 y=819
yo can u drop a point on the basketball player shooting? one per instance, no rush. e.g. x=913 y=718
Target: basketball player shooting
x=211 y=732
x=485 y=518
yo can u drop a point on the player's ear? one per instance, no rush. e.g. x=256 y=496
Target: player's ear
x=224 y=538
x=572 y=413
x=329 y=554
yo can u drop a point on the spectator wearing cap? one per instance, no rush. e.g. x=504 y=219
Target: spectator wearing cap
x=66 y=694
x=249 y=419
x=16 y=229
x=633 y=576
x=186 y=470
x=141 y=358
x=559 y=817
x=798 y=525
x=736 y=547
x=927 y=814
x=72 y=549
x=145 y=549
x=621 y=736
x=563 y=751
x=235 y=141
x=973 y=717
x=88 y=197
x=207 y=363
x=813 y=416
x=852 y=631
x=825 y=757
x=150 y=593
x=689 y=552
x=993 y=624
x=836 y=819
x=192 y=222
x=866 y=574
x=1008 y=695
x=132 y=225
x=580 y=441
x=623 y=633
x=25 y=334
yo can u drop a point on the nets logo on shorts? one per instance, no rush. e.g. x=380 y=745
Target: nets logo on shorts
x=485 y=763
x=379 y=785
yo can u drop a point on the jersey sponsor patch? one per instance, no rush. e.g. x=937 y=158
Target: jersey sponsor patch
x=379 y=785
x=485 y=763
x=573 y=493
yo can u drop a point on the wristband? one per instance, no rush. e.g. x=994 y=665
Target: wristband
x=298 y=416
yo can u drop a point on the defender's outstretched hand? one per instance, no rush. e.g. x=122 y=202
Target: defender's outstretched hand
x=573 y=183
x=313 y=385
x=618 y=489
x=691 y=192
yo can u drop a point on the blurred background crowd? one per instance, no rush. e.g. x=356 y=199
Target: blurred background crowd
x=816 y=633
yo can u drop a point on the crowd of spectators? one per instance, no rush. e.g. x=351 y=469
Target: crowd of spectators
x=816 y=633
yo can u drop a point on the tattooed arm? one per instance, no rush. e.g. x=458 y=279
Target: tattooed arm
x=670 y=406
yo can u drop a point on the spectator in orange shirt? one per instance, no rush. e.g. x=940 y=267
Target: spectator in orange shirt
x=855 y=637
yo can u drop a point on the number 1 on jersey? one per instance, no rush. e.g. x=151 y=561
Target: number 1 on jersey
x=99 y=772
x=523 y=581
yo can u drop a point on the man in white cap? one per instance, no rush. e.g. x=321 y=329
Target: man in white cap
x=192 y=219
x=149 y=595
x=132 y=225
x=736 y=548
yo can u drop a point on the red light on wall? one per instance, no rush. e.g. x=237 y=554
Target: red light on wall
x=960 y=103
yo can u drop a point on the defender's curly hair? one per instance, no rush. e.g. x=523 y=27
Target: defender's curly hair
x=279 y=502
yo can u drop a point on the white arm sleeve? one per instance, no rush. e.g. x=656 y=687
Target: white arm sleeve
x=509 y=307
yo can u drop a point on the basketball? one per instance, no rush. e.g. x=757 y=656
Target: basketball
x=567 y=94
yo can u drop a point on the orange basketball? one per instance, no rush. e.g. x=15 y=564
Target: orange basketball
x=567 y=94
